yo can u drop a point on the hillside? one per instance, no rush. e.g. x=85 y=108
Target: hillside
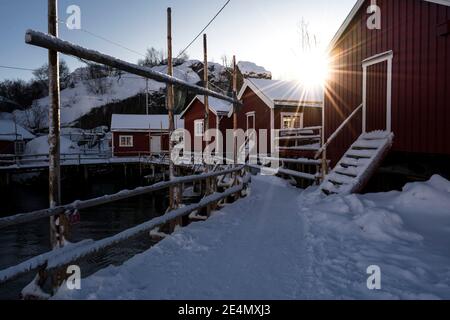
x=89 y=103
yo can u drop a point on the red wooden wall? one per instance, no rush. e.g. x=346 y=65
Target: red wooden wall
x=141 y=144
x=412 y=29
x=252 y=103
x=7 y=147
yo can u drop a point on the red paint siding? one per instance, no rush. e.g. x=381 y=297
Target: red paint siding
x=312 y=117
x=421 y=76
x=141 y=144
x=197 y=112
x=252 y=103
x=7 y=147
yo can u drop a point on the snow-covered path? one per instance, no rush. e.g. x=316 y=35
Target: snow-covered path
x=280 y=243
x=242 y=251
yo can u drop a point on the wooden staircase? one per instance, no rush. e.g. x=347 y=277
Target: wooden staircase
x=358 y=164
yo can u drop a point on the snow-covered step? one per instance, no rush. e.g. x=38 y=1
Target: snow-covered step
x=351 y=162
x=375 y=135
x=359 y=163
x=368 y=144
x=337 y=178
x=347 y=171
x=366 y=154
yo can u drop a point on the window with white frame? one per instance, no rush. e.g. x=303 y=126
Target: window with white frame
x=199 y=128
x=19 y=147
x=291 y=121
x=126 y=141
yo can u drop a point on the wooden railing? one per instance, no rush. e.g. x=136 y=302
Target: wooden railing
x=322 y=152
x=61 y=257
x=80 y=158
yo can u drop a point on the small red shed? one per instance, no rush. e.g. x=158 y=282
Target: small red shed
x=281 y=105
x=138 y=135
x=13 y=138
x=393 y=58
x=219 y=119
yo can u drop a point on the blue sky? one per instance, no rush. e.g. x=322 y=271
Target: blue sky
x=262 y=31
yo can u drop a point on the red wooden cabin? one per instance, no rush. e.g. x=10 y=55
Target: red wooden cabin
x=140 y=135
x=219 y=119
x=13 y=138
x=282 y=105
x=399 y=73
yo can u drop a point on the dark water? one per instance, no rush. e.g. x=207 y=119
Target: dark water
x=20 y=243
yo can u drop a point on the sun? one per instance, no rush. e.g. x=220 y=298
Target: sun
x=313 y=68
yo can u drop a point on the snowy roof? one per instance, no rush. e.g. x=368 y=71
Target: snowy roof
x=277 y=92
x=143 y=122
x=217 y=106
x=250 y=69
x=9 y=129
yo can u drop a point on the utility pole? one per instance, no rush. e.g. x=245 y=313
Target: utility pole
x=206 y=118
x=235 y=107
x=54 y=127
x=174 y=194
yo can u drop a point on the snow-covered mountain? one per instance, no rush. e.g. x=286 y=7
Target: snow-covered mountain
x=79 y=99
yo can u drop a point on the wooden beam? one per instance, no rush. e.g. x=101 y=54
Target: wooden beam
x=125 y=194
x=46 y=41
x=57 y=259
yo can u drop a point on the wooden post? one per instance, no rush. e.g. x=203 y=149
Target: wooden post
x=174 y=194
x=170 y=101
x=54 y=126
x=208 y=190
x=324 y=164
x=235 y=118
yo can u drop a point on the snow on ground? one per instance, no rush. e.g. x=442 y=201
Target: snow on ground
x=279 y=243
x=40 y=146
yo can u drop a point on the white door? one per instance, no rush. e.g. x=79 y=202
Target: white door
x=155 y=146
x=377 y=92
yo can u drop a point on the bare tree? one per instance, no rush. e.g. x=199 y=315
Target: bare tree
x=35 y=116
x=41 y=75
x=226 y=61
x=308 y=41
x=152 y=58
x=97 y=79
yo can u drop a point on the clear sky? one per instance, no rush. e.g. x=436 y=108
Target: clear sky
x=263 y=31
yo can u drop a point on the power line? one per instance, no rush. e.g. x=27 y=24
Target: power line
x=201 y=32
x=108 y=40
x=17 y=68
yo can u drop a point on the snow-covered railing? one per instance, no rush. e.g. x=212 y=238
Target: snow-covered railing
x=125 y=194
x=338 y=130
x=323 y=150
x=58 y=258
x=41 y=160
x=66 y=255
x=304 y=161
x=288 y=172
